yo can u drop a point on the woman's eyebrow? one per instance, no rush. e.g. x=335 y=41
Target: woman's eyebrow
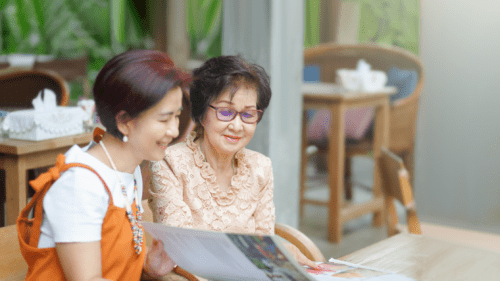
x=230 y=103
x=170 y=112
x=224 y=101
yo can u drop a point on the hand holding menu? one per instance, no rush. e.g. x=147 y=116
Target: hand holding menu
x=228 y=256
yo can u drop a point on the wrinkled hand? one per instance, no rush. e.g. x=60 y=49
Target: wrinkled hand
x=157 y=262
x=297 y=254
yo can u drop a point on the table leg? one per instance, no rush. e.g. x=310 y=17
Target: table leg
x=380 y=138
x=15 y=187
x=336 y=151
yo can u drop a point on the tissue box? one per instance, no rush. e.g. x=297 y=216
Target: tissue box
x=35 y=125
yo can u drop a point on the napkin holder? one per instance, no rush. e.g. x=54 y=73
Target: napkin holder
x=45 y=121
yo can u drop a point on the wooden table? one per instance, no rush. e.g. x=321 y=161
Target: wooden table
x=425 y=258
x=18 y=156
x=337 y=100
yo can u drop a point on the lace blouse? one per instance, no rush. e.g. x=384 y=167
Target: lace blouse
x=184 y=192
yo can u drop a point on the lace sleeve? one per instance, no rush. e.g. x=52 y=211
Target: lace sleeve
x=166 y=200
x=264 y=214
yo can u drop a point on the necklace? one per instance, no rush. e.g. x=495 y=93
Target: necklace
x=134 y=223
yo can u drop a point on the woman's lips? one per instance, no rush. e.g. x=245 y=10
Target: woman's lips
x=232 y=138
x=163 y=145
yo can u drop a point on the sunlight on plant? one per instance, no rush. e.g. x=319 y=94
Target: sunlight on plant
x=98 y=29
x=393 y=22
x=204 y=23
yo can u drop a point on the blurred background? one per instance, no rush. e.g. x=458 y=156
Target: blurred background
x=457 y=150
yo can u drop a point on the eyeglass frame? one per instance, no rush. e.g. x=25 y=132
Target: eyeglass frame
x=259 y=113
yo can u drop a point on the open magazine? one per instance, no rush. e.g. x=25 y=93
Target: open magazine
x=228 y=256
x=232 y=256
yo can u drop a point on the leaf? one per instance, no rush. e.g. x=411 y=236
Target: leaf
x=205 y=27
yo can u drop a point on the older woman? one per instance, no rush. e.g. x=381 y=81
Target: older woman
x=211 y=181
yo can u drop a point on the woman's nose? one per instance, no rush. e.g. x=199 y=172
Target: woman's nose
x=237 y=123
x=173 y=132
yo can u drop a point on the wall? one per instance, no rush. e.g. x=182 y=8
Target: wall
x=457 y=173
x=271 y=34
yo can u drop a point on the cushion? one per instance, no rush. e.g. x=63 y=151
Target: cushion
x=404 y=80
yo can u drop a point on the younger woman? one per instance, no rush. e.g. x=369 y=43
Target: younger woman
x=90 y=228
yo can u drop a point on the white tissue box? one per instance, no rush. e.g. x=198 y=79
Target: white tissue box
x=352 y=80
x=38 y=125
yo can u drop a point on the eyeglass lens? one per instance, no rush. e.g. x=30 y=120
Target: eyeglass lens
x=247 y=116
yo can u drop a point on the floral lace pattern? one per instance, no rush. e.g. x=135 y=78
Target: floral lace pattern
x=185 y=193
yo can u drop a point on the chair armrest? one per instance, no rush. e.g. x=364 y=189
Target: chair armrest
x=300 y=240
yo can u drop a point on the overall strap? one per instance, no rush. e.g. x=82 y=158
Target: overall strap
x=41 y=185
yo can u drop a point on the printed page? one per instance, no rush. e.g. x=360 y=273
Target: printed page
x=223 y=256
x=337 y=270
x=270 y=256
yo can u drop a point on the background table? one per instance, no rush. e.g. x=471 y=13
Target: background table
x=425 y=258
x=18 y=156
x=337 y=100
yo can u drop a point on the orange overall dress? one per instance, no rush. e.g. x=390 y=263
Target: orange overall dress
x=119 y=259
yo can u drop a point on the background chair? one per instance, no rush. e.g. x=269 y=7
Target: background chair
x=403 y=111
x=19 y=87
x=396 y=186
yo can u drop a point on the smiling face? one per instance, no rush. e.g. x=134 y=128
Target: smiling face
x=152 y=131
x=227 y=138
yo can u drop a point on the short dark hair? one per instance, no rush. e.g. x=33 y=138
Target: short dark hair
x=222 y=73
x=134 y=81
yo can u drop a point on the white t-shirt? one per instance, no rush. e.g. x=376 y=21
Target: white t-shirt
x=75 y=205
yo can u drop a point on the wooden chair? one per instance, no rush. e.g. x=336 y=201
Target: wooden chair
x=396 y=186
x=290 y=234
x=71 y=69
x=18 y=87
x=403 y=113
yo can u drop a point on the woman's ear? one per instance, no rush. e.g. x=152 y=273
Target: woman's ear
x=122 y=122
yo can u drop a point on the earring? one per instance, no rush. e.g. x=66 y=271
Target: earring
x=125 y=138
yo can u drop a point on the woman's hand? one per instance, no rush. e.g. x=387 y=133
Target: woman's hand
x=157 y=262
x=297 y=254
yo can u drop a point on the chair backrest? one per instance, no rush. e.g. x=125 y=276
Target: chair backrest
x=12 y=264
x=19 y=87
x=300 y=240
x=395 y=185
x=330 y=57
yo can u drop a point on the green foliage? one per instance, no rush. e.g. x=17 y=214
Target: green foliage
x=99 y=29
x=204 y=24
x=312 y=22
x=393 y=22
